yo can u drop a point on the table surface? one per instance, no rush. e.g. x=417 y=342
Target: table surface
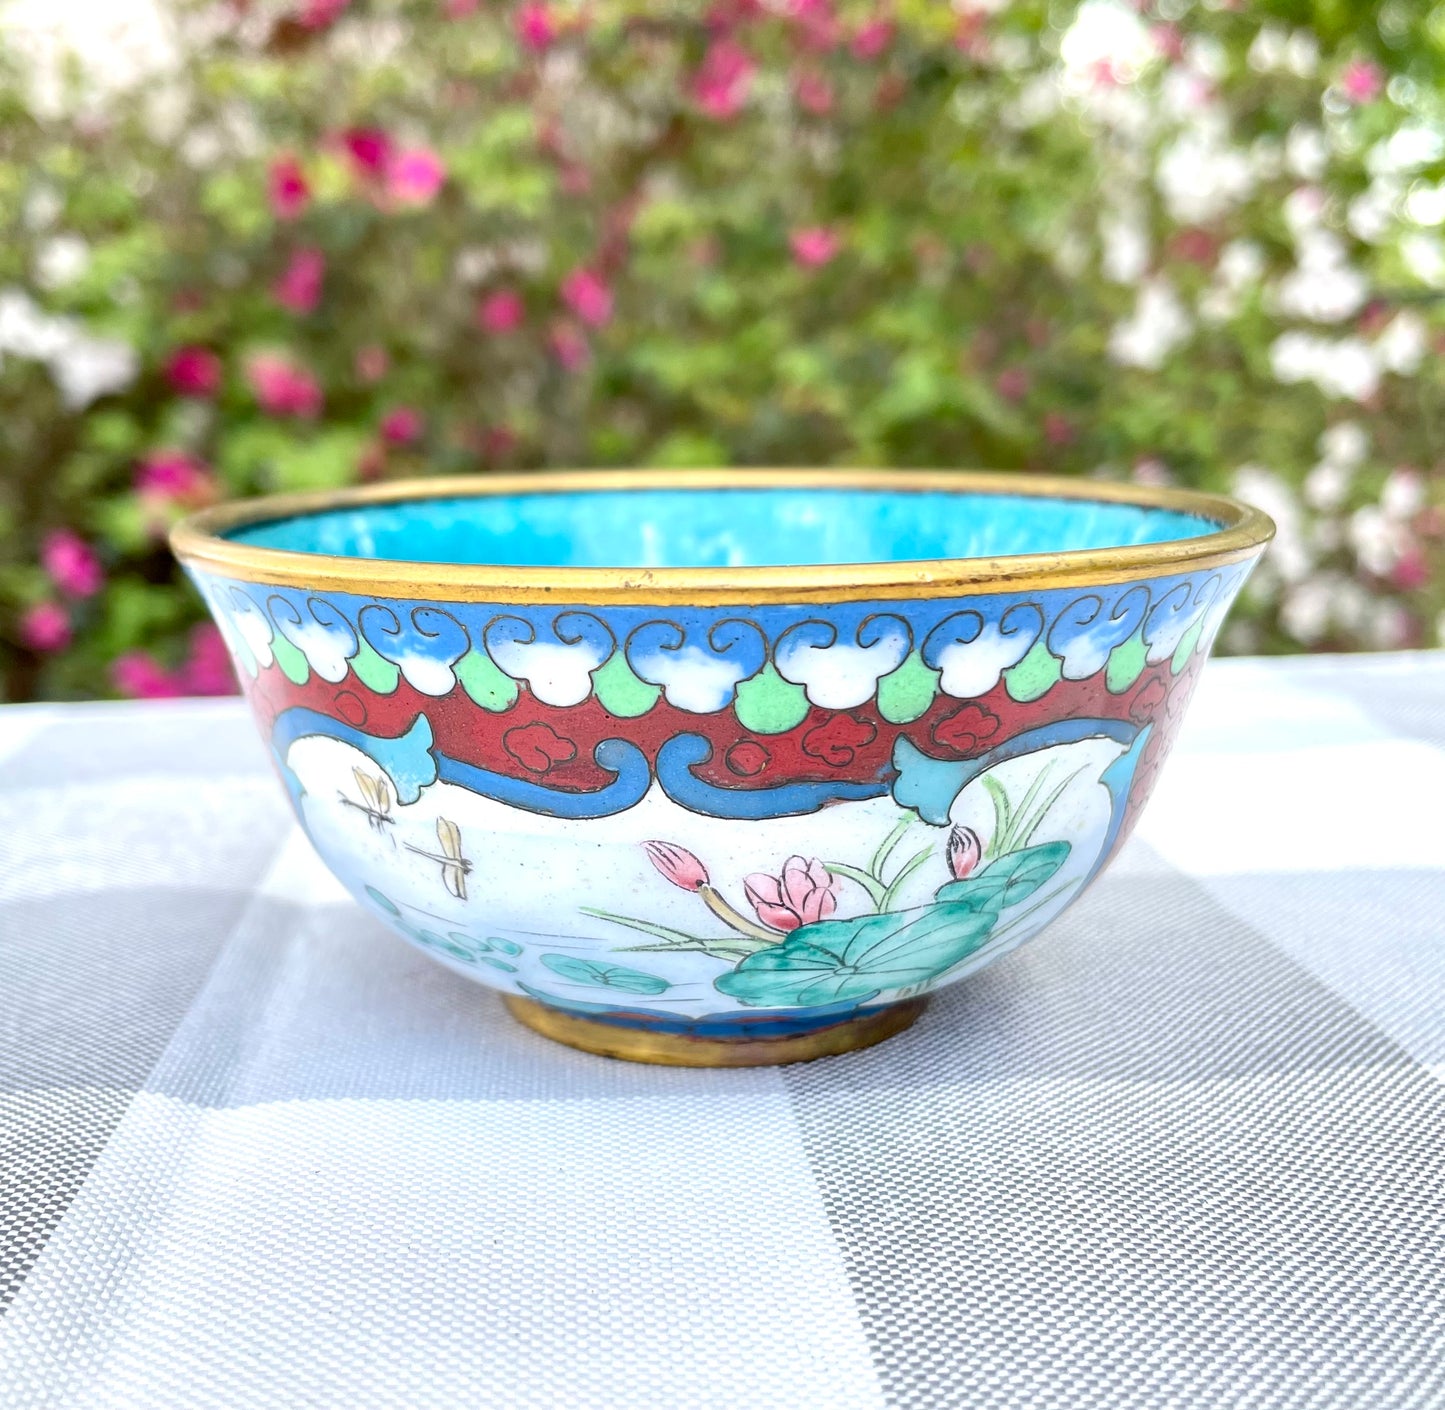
x=1183 y=1150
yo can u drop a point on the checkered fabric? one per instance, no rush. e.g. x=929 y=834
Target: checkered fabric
x=1186 y=1149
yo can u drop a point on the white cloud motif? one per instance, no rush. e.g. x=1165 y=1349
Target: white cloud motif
x=557 y=674
x=692 y=679
x=1168 y=621
x=248 y=619
x=841 y=675
x=1086 y=631
x=423 y=651
x=972 y=654
x=328 y=646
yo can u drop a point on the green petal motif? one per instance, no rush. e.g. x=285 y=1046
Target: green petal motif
x=372 y=671
x=487 y=684
x=767 y=704
x=1037 y=674
x=290 y=660
x=621 y=691
x=904 y=694
x=1126 y=664
x=1186 y=646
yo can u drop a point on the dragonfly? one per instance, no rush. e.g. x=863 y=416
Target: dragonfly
x=455 y=867
x=376 y=799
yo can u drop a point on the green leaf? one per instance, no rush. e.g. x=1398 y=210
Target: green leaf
x=1010 y=879
x=875 y=889
x=907 y=870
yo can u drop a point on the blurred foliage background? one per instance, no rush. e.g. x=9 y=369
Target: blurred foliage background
x=252 y=246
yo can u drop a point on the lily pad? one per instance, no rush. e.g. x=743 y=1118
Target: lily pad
x=605 y=976
x=1009 y=879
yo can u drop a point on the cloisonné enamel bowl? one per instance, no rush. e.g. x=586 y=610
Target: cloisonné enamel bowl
x=720 y=768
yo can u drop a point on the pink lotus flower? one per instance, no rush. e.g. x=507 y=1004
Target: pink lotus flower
x=282 y=388
x=139 y=676
x=813 y=92
x=814 y=246
x=569 y=346
x=1362 y=81
x=45 y=627
x=299 y=287
x=371 y=363
x=71 y=563
x=194 y=372
x=586 y=293
x=415 y=176
x=677 y=864
x=501 y=312
x=965 y=852
x=401 y=425
x=872 y=40
x=804 y=894
x=172 y=477
x=537 y=27
x=369 y=150
x=287 y=188
x=319 y=14
x=722 y=83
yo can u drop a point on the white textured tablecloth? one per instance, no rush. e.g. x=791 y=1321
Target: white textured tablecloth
x=1185 y=1149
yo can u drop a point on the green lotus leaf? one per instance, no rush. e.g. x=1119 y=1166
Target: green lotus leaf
x=837 y=961
x=605 y=976
x=1007 y=880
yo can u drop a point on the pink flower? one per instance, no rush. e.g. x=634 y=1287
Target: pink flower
x=677 y=864
x=287 y=188
x=816 y=23
x=813 y=92
x=207 y=669
x=585 y=292
x=299 y=287
x=1058 y=429
x=371 y=363
x=1412 y=570
x=804 y=894
x=319 y=14
x=872 y=40
x=401 y=425
x=172 y=477
x=1362 y=81
x=45 y=627
x=369 y=149
x=537 y=27
x=721 y=85
x=965 y=851
x=1013 y=384
x=569 y=346
x=415 y=176
x=501 y=312
x=814 y=246
x=194 y=372
x=71 y=563
x=138 y=675
x=282 y=388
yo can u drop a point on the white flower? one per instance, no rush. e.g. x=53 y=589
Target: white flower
x=1425 y=205
x=1291 y=557
x=1305 y=611
x=1126 y=246
x=1269 y=52
x=88 y=368
x=1327 y=484
x=1372 y=213
x=1200 y=177
x=1403 y=495
x=1343 y=368
x=1424 y=257
x=1401 y=347
x=1345 y=443
x=1305 y=152
x=1376 y=539
x=61 y=260
x=1159 y=324
x=1324 y=288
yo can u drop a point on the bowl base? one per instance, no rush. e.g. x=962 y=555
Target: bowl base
x=680 y=1050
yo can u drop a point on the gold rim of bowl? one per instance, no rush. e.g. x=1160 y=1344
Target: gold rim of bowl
x=199 y=541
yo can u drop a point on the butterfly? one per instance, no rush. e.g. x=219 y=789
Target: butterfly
x=376 y=799
x=455 y=867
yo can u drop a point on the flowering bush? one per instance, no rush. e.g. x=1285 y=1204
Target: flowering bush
x=307 y=243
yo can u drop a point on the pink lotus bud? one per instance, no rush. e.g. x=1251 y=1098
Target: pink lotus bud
x=287 y=188
x=45 y=627
x=805 y=893
x=677 y=864
x=194 y=372
x=965 y=851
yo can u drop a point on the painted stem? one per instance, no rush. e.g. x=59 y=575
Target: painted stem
x=717 y=904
